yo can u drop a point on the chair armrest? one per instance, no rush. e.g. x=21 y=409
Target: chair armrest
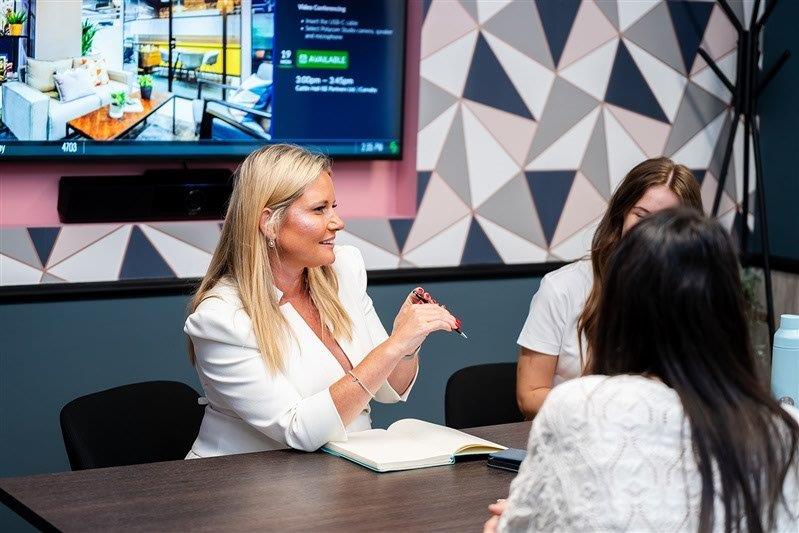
x=26 y=92
x=128 y=78
x=201 y=83
x=25 y=111
x=256 y=112
x=210 y=114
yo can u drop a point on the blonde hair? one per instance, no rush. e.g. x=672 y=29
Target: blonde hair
x=273 y=176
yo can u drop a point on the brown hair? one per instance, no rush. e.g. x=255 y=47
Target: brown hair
x=650 y=173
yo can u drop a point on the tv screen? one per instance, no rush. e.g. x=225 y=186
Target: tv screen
x=197 y=78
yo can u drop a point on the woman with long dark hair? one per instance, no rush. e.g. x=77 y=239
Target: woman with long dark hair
x=672 y=430
x=563 y=311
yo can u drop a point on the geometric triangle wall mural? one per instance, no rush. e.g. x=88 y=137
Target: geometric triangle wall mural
x=639 y=59
x=530 y=114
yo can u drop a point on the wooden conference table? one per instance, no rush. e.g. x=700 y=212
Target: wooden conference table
x=267 y=491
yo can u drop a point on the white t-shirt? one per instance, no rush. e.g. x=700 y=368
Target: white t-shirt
x=551 y=325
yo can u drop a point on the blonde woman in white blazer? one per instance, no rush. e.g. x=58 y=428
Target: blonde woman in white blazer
x=284 y=337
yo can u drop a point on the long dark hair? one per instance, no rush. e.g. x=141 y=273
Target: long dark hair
x=652 y=172
x=672 y=308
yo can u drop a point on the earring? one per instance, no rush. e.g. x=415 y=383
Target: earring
x=271 y=243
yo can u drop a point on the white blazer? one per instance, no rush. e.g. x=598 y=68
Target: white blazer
x=249 y=409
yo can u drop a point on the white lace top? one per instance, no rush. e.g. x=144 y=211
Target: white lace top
x=614 y=454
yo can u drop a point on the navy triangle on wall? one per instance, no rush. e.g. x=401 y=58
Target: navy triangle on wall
x=488 y=84
x=699 y=174
x=142 y=260
x=425 y=8
x=690 y=20
x=44 y=241
x=628 y=89
x=550 y=189
x=401 y=227
x=478 y=249
x=422 y=179
x=557 y=18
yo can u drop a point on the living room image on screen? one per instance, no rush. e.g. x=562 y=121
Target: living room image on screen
x=124 y=47
x=183 y=77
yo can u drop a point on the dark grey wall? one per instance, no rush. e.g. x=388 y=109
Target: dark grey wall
x=779 y=115
x=54 y=352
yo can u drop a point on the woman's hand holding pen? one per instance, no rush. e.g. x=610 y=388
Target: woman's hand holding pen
x=420 y=296
x=415 y=322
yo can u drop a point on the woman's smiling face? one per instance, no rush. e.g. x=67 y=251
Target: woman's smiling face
x=305 y=238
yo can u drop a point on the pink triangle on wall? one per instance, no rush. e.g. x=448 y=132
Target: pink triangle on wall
x=720 y=37
x=583 y=205
x=591 y=30
x=446 y=22
x=512 y=132
x=651 y=135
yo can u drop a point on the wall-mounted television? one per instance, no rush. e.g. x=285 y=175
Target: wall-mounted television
x=199 y=78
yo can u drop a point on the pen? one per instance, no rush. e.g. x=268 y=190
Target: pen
x=424 y=297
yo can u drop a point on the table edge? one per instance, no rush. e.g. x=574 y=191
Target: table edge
x=25 y=512
x=43 y=524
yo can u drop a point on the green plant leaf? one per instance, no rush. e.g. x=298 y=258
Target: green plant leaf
x=16 y=17
x=118 y=98
x=88 y=31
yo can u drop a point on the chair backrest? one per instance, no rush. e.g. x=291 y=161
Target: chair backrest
x=191 y=60
x=482 y=395
x=210 y=58
x=265 y=71
x=132 y=424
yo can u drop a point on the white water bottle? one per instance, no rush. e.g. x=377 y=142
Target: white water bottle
x=785 y=361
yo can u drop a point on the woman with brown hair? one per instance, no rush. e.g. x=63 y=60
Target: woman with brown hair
x=671 y=428
x=563 y=311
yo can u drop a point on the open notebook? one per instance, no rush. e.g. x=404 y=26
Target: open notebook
x=408 y=444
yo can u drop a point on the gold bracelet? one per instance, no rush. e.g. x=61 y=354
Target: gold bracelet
x=359 y=382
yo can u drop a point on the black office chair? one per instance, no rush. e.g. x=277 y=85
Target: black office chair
x=482 y=395
x=132 y=424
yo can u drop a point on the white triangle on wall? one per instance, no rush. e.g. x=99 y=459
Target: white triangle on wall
x=532 y=80
x=490 y=166
x=374 y=257
x=511 y=247
x=666 y=84
x=567 y=152
x=445 y=249
x=102 y=261
x=431 y=139
x=623 y=152
x=592 y=72
x=449 y=67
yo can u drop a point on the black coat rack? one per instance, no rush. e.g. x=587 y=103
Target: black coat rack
x=749 y=84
